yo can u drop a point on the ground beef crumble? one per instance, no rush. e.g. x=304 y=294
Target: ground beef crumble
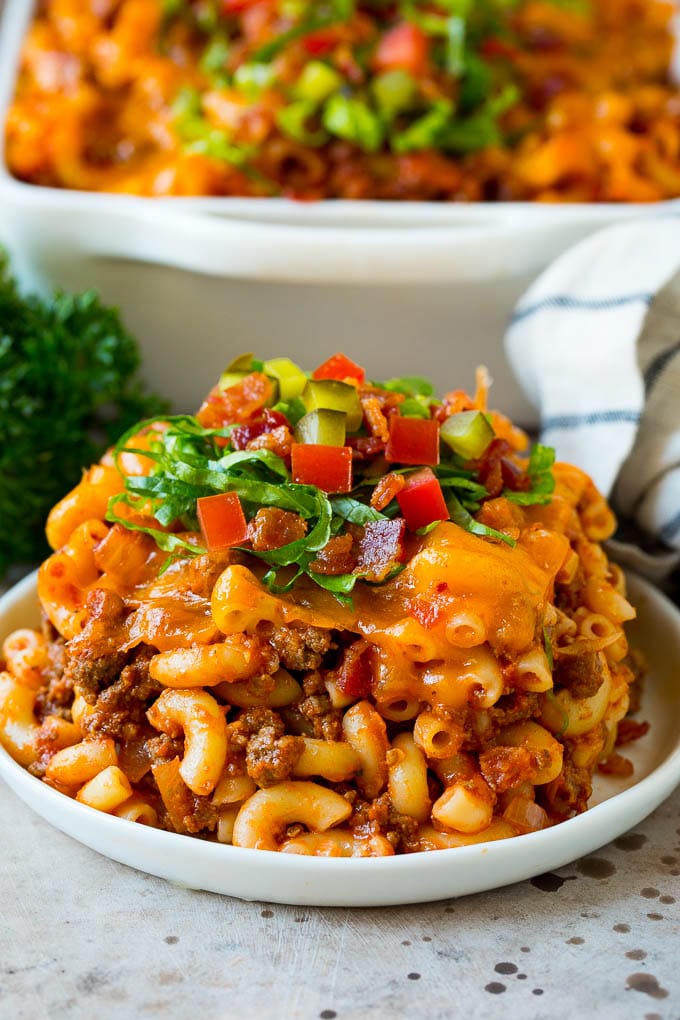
x=93 y=657
x=325 y=721
x=258 y=739
x=56 y=696
x=298 y=647
x=569 y=793
x=581 y=674
x=120 y=709
x=379 y=818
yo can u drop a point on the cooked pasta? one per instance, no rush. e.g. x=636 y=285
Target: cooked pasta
x=329 y=617
x=546 y=100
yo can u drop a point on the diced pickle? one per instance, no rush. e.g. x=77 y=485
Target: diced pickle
x=231 y=378
x=291 y=379
x=243 y=363
x=329 y=394
x=468 y=434
x=323 y=427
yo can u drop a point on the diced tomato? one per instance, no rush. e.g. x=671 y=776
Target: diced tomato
x=339 y=366
x=256 y=17
x=236 y=6
x=323 y=41
x=327 y=467
x=223 y=523
x=495 y=47
x=405 y=46
x=412 y=441
x=422 y=500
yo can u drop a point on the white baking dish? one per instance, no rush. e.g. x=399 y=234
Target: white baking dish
x=404 y=288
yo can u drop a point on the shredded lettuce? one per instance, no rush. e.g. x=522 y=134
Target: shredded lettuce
x=541 y=461
x=461 y=517
x=409 y=385
x=191 y=462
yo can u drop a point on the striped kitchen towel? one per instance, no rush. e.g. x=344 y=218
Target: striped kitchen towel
x=595 y=343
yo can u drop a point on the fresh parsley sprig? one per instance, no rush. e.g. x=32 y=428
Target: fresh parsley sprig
x=69 y=384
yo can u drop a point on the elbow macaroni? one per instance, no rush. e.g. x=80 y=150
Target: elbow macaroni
x=235 y=720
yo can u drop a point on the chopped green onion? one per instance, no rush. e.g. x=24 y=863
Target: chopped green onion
x=317 y=82
x=393 y=91
x=187 y=103
x=214 y=59
x=216 y=146
x=455 y=46
x=476 y=84
x=294 y=122
x=353 y=120
x=480 y=129
x=468 y=434
x=253 y=79
x=504 y=101
x=424 y=133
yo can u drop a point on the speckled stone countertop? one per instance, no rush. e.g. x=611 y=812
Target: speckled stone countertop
x=83 y=937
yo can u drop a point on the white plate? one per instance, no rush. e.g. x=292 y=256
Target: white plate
x=282 y=878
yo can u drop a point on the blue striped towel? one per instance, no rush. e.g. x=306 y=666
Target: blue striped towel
x=595 y=343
